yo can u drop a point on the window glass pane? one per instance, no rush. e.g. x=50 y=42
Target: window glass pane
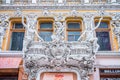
x=46 y=35
x=73 y=36
x=18 y=25
x=103 y=41
x=76 y=37
x=102 y=24
x=17 y=41
x=73 y=33
x=73 y=25
x=46 y=25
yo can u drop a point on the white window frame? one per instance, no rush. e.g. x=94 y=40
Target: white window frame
x=86 y=1
x=113 y=1
x=34 y=1
x=60 y=1
x=8 y=1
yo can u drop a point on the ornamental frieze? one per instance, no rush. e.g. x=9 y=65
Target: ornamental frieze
x=78 y=7
x=59 y=55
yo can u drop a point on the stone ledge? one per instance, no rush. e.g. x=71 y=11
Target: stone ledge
x=20 y=53
x=64 y=7
x=11 y=54
x=108 y=53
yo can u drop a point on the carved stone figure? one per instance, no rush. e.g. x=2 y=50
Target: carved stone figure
x=3 y=26
x=89 y=33
x=59 y=34
x=18 y=12
x=30 y=25
x=74 y=13
x=116 y=25
x=46 y=12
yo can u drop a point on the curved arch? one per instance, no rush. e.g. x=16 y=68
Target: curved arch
x=76 y=71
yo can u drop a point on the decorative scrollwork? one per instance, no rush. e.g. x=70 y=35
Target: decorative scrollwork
x=116 y=24
x=59 y=32
x=30 y=24
x=3 y=26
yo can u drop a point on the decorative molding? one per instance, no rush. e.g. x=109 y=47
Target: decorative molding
x=31 y=20
x=108 y=53
x=75 y=7
x=4 y=22
x=12 y=54
x=108 y=66
x=18 y=13
x=116 y=25
x=72 y=69
x=21 y=54
x=59 y=32
x=59 y=55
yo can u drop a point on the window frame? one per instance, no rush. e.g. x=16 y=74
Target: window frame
x=13 y=29
x=107 y=20
x=45 y=20
x=72 y=20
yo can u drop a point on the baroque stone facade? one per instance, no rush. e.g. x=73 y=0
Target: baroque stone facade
x=58 y=54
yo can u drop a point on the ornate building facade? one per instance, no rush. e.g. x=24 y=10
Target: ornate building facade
x=59 y=40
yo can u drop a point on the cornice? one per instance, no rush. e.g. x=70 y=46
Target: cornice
x=13 y=54
x=20 y=53
x=107 y=66
x=108 y=53
x=64 y=7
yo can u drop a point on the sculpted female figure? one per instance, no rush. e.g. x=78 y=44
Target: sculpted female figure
x=30 y=26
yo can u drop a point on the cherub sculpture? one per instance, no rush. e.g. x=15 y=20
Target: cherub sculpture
x=58 y=36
